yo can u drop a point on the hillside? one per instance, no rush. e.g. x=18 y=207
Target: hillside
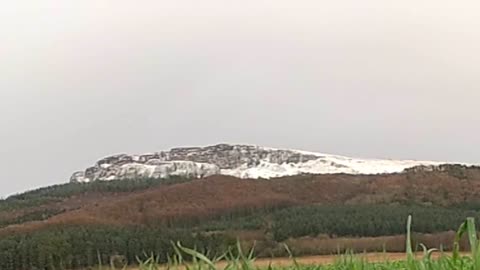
x=138 y=202
x=314 y=214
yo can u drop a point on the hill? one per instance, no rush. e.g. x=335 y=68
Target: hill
x=242 y=161
x=364 y=212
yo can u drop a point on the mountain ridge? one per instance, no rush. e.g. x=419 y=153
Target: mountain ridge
x=239 y=160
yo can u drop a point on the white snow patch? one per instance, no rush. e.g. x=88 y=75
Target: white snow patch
x=326 y=164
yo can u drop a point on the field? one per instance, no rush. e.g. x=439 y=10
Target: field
x=376 y=257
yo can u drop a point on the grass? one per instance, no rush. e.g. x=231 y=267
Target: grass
x=235 y=259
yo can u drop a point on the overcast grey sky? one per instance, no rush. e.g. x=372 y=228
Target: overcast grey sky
x=80 y=80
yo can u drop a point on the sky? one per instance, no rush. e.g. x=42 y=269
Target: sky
x=80 y=80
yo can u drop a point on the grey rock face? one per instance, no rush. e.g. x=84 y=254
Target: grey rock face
x=78 y=177
x=228 y=156
x=190 y=162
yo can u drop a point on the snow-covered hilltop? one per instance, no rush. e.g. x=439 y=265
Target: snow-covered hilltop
x=243 y=161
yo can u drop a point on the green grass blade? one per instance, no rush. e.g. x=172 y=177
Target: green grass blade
x=196 y=255
x=456 y=244
x=409 y=250
x=472 y=235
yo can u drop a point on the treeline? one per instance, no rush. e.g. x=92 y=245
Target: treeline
x=33 y=216
x=365 y=220
x=56 y=193
x=345 y=220
x=83 y=246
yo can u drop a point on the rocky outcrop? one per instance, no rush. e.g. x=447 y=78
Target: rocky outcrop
x=195 y=162
x=244 y=161
x=153 y=168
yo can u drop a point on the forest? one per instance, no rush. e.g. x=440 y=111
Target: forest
x=306 y=214
x=80 y=246
x=56 y=193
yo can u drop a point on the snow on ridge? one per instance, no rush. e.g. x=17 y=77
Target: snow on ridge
x=239 y=160
x=323 y=166
x=361 y=159
x=327 y=164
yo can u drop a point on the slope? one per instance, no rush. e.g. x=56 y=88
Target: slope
x=199 y=200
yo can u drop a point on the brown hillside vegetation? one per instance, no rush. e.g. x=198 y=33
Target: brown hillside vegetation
x=200 y=199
